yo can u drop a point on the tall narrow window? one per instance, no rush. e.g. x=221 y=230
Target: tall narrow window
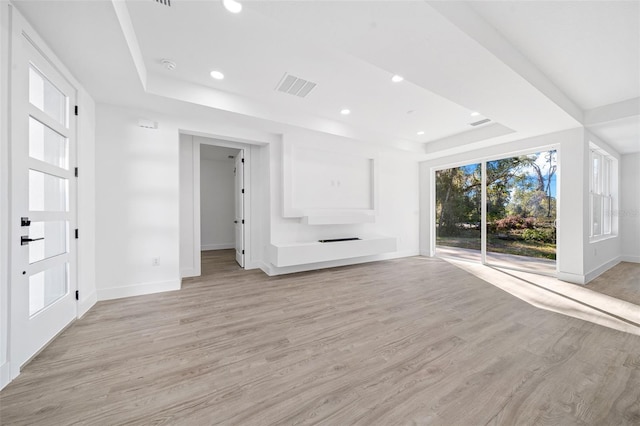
x=601 y=193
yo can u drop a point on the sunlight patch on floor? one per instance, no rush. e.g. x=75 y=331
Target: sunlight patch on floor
x=557 y=296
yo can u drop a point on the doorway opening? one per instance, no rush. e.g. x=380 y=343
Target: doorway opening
x=215 y=201
x=221 y=201
x=500 y=212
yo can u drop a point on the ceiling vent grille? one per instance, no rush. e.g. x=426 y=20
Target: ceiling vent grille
x=165 y=2
x=295 y=86
x=479 y=122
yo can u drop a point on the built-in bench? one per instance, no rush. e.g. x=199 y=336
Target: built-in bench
x=290 y=254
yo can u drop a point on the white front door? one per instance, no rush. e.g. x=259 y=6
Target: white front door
x=239 y=210
x=43 y=188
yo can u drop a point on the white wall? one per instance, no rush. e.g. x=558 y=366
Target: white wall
x=217 y=209
x=572 y=213
x=397 y=206
x=137 y=190
x=140 y=200
x=629 y=208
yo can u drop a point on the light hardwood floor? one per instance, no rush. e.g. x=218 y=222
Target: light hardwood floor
x=408 y=341
x=622 y=282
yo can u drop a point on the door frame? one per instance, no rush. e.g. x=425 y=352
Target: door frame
x=483 y=160
x=238 y=204
x=220 y=141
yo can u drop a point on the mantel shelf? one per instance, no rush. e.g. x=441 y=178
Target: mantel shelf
x=290 y=254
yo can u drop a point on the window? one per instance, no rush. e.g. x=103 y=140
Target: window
x=601 y=193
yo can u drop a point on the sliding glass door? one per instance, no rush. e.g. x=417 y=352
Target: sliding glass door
x=458 y=211
x=518 y=221
x=521 y=212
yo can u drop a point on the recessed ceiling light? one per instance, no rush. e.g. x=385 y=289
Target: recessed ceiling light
x=420 y=133
x=217 y=75
x=232 y=6
x=397 y=78
x=475 y=114
x=345 y=111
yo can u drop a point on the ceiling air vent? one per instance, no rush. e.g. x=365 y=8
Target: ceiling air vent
x=479 y=122
x=165 y=2
x=295 y=86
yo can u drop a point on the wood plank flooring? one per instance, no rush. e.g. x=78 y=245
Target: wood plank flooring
x=409 y=341
x=622 y=282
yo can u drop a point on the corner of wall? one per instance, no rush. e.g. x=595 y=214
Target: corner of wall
x=572 y=278
x=87 y=303
x=5 y=374
x=596 y=272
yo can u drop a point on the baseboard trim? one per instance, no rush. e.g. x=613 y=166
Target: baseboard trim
x=632 y=259
x=138 y=289
x=5 y=374
x=223 y=246
x=87 y=303
x=272 y=270
x=571 y=278
x=191 y=272
x=266 y=268
x=248 y=265
x=595 y=273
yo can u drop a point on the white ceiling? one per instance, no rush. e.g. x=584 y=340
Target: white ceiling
x=86 y=36
x=255 y=51
x=532 y=67
x=588 y=48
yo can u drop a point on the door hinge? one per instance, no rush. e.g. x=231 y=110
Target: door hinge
x=243 y=190
x=243 y=221
x=76 y=233
x=77 y=295
x=75 y=111
x=242 y=251
x=243 y=160
x=75 y=172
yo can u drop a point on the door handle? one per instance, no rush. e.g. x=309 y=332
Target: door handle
x=24 y=240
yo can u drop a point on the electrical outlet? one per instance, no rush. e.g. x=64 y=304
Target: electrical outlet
x=155 y=261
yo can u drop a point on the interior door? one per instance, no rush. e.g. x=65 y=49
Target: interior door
x=43 y=202
x=239 y=207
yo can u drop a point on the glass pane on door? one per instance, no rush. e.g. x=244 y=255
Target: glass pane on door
x=458 y=212
x=45 y=144
x=47 y=192
x=47 y=97
x=521 y=212
x=47 y=286
x=54 y=240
